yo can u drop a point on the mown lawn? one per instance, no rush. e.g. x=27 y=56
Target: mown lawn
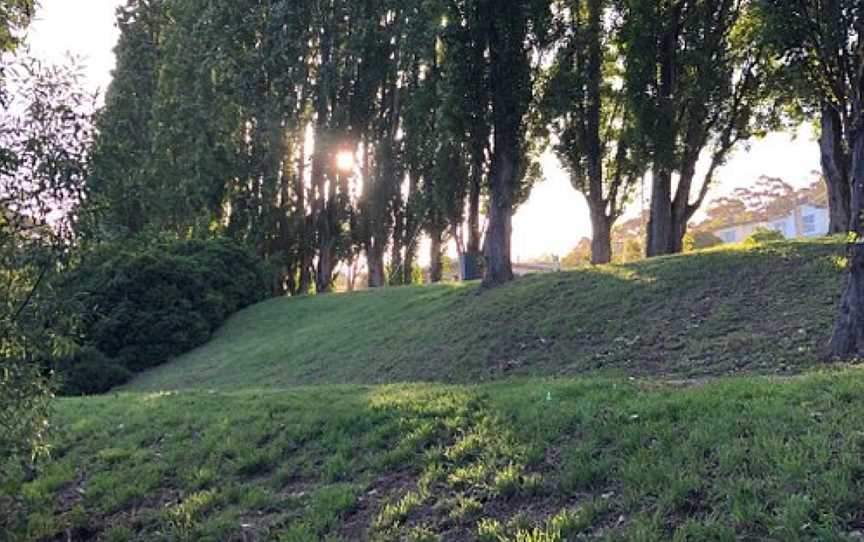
x=525 y=460
x=767 y=310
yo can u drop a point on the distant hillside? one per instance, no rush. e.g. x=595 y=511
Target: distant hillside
x=766 y=309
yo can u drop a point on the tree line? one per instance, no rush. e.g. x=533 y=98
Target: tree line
x=231 y=116
x=234 y=117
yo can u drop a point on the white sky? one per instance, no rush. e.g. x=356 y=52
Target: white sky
x=554 y=218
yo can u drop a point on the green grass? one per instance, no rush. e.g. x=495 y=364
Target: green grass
x=766 y=309
x=524 y=460
x=285 y=427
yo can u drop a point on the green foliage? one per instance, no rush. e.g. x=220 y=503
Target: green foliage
x=15 y=16
x=141 y=306
x=579 y=256
x=44 y=138
x=633 y=251
x=88 y=371
x=814 y=43
x=587 y=110
x=763 y=235
x=699 y=240
x=122 y=189
x=25 y=396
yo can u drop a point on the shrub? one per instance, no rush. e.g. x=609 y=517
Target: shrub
x=89 y=372
x=763 y=235
x=700 y=240
x=140 y=306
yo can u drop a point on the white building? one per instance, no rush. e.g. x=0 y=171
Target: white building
x=805 y=220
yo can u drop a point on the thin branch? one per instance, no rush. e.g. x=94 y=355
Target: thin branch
x=31 y=293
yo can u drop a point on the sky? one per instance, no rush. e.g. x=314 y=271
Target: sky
x=555 y=217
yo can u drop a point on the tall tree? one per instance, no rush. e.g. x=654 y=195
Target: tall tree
x=122 y=186
x=515 y=33
x=815 y=44
x=848 y=339
x=465 y=40
x=590 y=117
x=698 y=81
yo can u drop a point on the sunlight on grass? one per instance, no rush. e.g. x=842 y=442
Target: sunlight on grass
x=640 y=460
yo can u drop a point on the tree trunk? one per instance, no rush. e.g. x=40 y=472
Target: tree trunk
x=408 y=266
x=660 y=233
x=326 y=263
x=474 y=207
x=304 y=243
x=601 y=242
x=835 y=168
x=499 y=267
x=436 y=268
x=679 y=230
x=848 y=339
x=660 y=224
x=375 y=257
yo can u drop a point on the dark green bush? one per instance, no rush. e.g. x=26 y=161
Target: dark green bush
x=140 y=306
x=90 y=372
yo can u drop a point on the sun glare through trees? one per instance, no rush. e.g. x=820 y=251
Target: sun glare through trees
x=275 y=283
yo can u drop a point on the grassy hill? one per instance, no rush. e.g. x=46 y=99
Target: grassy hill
x=766 y=310
x=283 y=427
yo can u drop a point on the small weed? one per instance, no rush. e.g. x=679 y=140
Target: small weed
x=394 y=514
x=182 y=518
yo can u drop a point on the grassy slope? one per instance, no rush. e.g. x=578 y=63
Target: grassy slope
x=240 y=455
x=725 y=311
x=607 y=459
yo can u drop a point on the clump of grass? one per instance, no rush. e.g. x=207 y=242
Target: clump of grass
x=394 y=514
x=182 y=518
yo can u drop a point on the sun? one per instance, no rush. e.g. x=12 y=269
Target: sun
x=345 y=161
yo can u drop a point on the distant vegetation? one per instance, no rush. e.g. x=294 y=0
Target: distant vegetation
x=763 y=235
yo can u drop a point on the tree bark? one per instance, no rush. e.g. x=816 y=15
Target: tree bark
x=660 y=234
x=304 y=243
x=848 y=339
x=435 y=260
x=474 y=206
x=601 y=240
x=835 y=168
x=499 y=267
x=375 y=257
x=660 y=223
x=408 y=265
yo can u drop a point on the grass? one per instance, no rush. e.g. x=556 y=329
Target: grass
x=766 y=309
x=524 y=460
x=285 y=427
